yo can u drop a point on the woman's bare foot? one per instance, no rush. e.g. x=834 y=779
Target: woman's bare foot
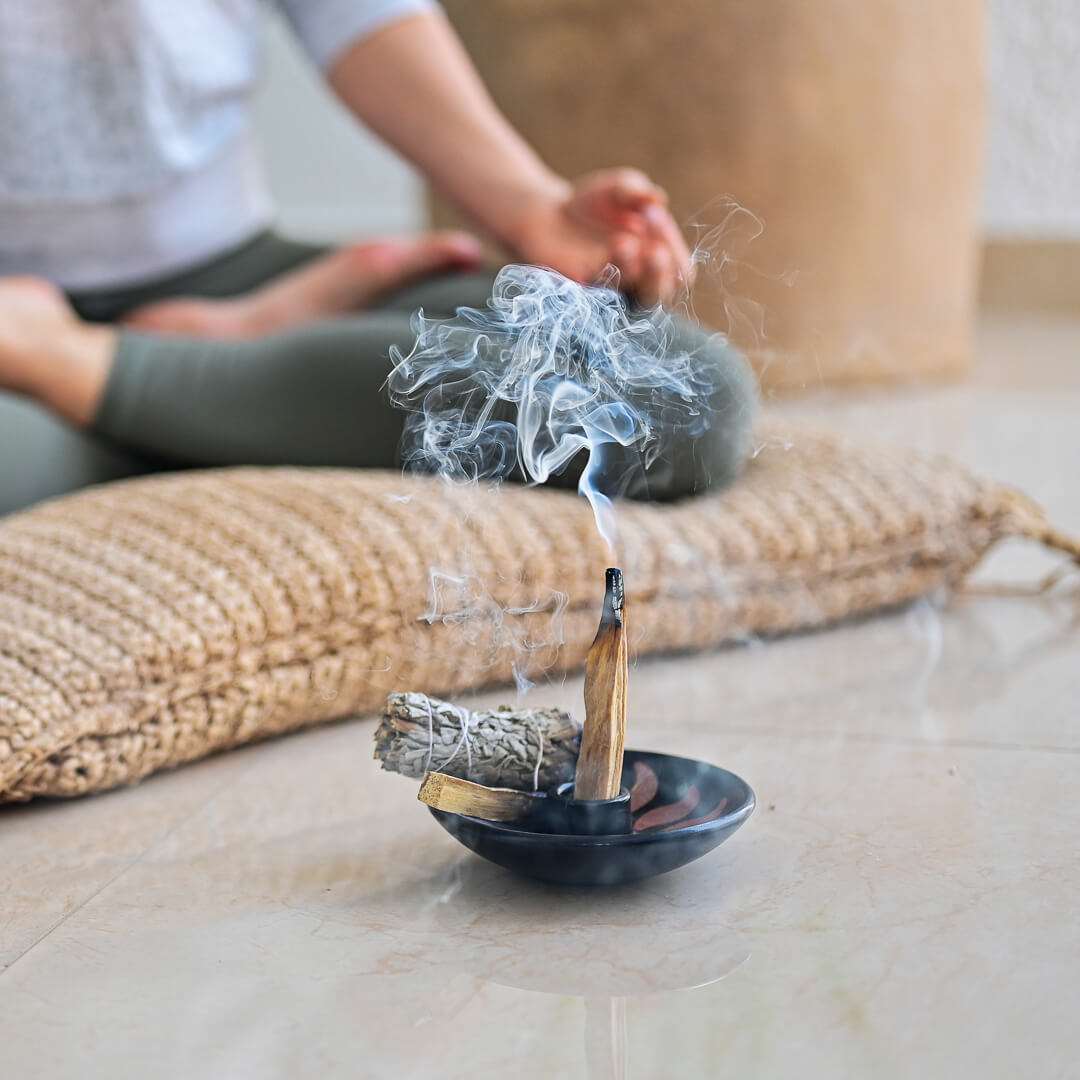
x=48 y=353
x=349 y=279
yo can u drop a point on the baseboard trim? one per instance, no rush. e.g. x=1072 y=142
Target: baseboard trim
x=1031 y=275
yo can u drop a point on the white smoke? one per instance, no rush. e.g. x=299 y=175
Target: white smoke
x=550 y=369
x=461 y=600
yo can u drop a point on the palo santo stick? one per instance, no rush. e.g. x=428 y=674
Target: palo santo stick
x=457 y=796
x=599 y=765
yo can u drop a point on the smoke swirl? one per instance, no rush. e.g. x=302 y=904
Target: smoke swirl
x=548 y=371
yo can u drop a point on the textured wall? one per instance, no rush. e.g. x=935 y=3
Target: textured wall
x=1033 y=158
x=331 y=180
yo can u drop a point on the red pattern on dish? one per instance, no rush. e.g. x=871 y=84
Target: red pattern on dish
x=644 y=788
x=670 y=814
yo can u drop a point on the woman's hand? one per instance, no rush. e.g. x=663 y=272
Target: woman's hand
x=616 y=216
x=430 y=110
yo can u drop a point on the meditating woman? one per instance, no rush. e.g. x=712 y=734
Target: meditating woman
x=151 y=318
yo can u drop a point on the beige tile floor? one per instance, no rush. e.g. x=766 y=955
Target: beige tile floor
x=903 y=903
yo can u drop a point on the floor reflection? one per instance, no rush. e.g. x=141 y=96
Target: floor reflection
x=578 y=943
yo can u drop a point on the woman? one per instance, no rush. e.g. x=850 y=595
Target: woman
x=149 y=316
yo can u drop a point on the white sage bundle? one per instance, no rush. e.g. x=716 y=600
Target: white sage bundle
x=525 y=749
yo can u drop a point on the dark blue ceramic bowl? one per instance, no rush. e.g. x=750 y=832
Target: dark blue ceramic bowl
x=724 y=799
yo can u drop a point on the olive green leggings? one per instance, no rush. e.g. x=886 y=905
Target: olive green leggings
x=309 y=396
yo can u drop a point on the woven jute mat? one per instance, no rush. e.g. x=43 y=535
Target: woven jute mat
x=149 y=623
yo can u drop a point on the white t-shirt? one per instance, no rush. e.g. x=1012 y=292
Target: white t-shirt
x=125 y=143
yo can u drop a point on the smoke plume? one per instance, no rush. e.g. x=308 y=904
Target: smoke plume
x=549 y=371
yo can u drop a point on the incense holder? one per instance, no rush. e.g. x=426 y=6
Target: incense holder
x=695 y=808
x=562 y=814
x=594 y=817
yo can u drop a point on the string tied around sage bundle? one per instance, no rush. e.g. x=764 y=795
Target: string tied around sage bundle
x=465 y=718
x=509 y=746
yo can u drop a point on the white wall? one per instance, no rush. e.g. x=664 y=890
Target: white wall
x=332 y=180
x=1033 y=156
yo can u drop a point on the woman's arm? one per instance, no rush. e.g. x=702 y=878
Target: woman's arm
x=413 y=83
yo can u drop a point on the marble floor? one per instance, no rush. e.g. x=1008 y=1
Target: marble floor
x=903 y=902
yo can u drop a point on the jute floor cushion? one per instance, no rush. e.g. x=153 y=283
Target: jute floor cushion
x=151 y=622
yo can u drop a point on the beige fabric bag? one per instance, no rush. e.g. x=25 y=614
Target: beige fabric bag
x=148 y=623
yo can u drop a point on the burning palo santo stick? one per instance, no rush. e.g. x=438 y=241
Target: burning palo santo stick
x=600 y=761
x=457 y=796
